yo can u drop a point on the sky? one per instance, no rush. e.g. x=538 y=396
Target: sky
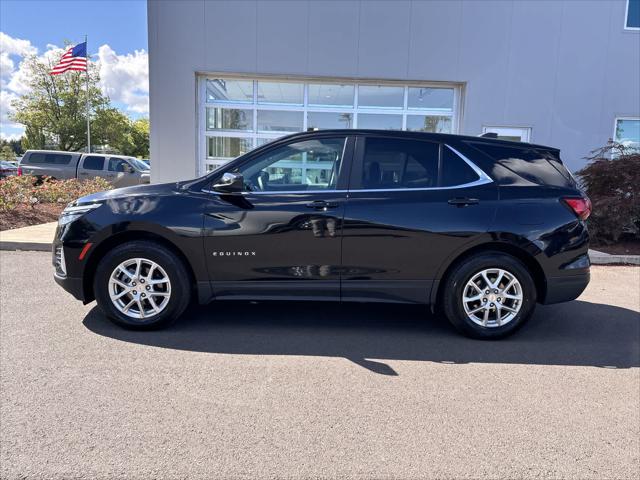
x=117 y=33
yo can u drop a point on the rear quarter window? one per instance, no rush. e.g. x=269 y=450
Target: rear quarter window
x=537 y=165
x=49 y=158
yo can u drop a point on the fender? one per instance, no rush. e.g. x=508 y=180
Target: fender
x=500 y=241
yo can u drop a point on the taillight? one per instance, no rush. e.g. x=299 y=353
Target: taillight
x=581 y=206
x=19 y=171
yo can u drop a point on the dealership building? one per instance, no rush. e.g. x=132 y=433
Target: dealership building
x=228 y=76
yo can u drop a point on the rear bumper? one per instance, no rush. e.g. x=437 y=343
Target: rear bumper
x=566 y=288
x=71 y=285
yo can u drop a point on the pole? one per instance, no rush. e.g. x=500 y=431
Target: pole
x=86 y=52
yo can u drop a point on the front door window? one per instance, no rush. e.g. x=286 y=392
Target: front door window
x=302 y=166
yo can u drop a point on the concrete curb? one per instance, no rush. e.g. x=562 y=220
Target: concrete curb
x=601 y=258
x=26 y=246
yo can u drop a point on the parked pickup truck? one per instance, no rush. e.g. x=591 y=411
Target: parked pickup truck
x=119 y=170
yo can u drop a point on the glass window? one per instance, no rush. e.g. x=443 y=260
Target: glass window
x=37 y=157
x=280 y=93
x=228 y=90
x=117 y=165
x=139 y=164
x=229 y=119
x=280 y=121
x=379 y=96
x=455 y=171
x=628 y=132
x=380 y=121
x=263 y=141
x=513 y=134
x=228 y=147
x=54 y=158
x=429 y=123
x=397 y=163
x=430 y=98
x=536 y=165
x=93 y=163
x=307 y=165
x=327 y=120
x=327 y=94
x=633 y=14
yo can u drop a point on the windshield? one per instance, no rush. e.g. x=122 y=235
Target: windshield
x=139 y=164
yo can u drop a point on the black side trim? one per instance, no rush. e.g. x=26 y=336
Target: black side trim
x=278 y=290
x=388 y=291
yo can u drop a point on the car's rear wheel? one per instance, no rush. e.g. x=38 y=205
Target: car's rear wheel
x=142 y=285
x=489 y=295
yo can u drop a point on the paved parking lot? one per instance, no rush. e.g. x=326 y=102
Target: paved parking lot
x=241 y=390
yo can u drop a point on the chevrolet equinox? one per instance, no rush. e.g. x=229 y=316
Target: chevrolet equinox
x=481 y=229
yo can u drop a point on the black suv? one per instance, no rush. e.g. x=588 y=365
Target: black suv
x=478 y=228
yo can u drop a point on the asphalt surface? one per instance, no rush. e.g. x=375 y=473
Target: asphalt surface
x=241 y=390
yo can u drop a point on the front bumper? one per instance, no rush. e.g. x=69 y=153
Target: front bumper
x=71 y=285
x=566 y=287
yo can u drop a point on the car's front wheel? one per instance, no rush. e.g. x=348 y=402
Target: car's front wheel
x=489 y=295
x=141 y=285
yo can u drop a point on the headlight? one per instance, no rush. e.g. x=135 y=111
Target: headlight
x=71 y=213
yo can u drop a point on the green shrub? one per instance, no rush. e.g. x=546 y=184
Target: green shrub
x=27 y=190
x=613 y=185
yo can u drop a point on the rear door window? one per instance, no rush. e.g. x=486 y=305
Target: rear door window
x=93 y=163
x=537 y=165
x=394 y=163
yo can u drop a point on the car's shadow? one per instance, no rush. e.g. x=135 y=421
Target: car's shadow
x=576 y=333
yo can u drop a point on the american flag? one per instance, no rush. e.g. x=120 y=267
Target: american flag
x=74 y=59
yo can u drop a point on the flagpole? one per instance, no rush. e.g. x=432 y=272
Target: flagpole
x=86 y=45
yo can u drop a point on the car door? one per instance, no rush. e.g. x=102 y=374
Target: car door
x=120 y=173
x=412 y=203
x=280 y=237
x=91 y=166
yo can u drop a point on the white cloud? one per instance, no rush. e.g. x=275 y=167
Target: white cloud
x=123 y=78
x=16 y=46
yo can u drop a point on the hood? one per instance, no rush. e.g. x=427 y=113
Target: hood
x=146 y=190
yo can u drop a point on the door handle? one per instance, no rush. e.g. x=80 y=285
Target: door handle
x=463 y=202
x=322 y=205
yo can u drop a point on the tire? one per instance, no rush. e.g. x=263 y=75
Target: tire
x=157 y=312
x=474 y=323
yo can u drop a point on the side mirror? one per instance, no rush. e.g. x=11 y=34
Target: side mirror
x=127 y=168
x=230 y=183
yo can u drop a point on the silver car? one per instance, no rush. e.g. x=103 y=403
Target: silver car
x=119 y=170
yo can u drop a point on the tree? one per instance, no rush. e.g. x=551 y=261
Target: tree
x=7 y=153
x=54 y=113
x=140 y=137
x=55 y=106
x=34 y=138
x=13 y=144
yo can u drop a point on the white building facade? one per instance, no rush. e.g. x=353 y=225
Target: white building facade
x=228 y=76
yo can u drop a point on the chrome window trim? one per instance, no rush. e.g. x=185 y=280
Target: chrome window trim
x=483 y=179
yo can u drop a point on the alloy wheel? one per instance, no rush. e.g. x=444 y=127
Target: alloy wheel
x=139 y=288
x=492 y=297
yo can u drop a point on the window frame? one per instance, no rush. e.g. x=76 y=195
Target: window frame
x=512 y=128
x=355 y=182
x=626 y=19
x=205 y=161
x=104 y=160
x=615 y=124
x=342 y=174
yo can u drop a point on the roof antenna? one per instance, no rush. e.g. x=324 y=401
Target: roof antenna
x=489 y=135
